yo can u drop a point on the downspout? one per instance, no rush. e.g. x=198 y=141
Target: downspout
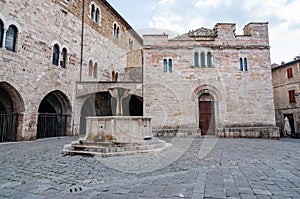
x=81 y=61
x=81 y=49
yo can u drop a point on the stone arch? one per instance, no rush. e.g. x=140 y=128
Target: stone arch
x=17 y=100
x=11 y=113
x=14 y=23
x=207 y=88
x=54 y=117
x=207 y=99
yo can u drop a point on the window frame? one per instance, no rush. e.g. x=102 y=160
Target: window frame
x=202 y=59
x=90 y=68
x=196 y=59
x=170 y=64
x=11 y=38
x=95 y=70
x=289 y=73
x=64 y=56
x=292 y=98
x=93 y=11
x=165 y=65
x=55 y=55
x=1 y=33
x=209 y=59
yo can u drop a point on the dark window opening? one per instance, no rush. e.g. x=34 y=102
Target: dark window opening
x=209 y=59
x=196 y=59
x=11 y=38
x=55 y=56
x=64 y=58
x=93 y=12
x=165 y=65
x=241 y=64
x=170 y=65
x=97 y=15
x=1 y=33
x=202 y=59
x=245 y=64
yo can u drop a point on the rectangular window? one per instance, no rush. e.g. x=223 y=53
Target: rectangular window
x=292 y=96
x=289 y=73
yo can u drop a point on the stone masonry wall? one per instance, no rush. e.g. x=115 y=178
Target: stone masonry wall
x=282 y=85
x=41 y=24
x=242 y=98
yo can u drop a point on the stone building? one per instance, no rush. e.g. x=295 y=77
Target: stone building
x=53 y=54
x=211 y=79
x=286 y=79
x=59 y=57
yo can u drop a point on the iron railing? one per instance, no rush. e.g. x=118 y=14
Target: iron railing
x=8 y=126
x=51 y=125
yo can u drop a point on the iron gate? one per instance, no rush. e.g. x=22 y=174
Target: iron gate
x=51 y=125
x=8 y=127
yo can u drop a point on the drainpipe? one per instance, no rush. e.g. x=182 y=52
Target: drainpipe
x=81 y=49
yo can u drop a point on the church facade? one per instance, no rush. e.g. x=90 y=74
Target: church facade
x=211 y=80
x=58 y=58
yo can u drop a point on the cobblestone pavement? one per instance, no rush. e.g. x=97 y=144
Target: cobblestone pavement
x=234 y=168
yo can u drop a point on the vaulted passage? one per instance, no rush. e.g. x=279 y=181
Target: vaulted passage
x=11 y=104
x=53 y=116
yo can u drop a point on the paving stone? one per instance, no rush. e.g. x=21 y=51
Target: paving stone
x=235 y=168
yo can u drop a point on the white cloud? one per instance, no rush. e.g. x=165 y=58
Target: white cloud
x=282 y=15
x=210 y=3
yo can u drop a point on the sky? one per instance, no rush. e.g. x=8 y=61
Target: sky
x=181 y=16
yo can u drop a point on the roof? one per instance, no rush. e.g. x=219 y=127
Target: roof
x=136 y=35
x=287 y=64
x=199 y=34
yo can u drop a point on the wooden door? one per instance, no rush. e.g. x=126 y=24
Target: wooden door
x=206 y=117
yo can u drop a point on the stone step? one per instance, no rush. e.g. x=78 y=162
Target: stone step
x=70 y=151
x=113 y=148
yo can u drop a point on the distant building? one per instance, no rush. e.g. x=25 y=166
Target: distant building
x=212 y=80
x=286 y=78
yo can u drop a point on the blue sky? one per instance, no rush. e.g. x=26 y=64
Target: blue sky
x=184 y=15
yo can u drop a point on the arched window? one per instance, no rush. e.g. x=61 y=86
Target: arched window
x=1 y=33
x=245 y=64
x=170 y=65
x=64 y=58
x=55 y=56
x=95 y=70
x=115 y=30
x=97 y=15
x=11 y=38
x=93 y=12
x=202 y=59
x=196 y=59
x=90 y=68
x=241 y=64
x=165 y=65
x=118 y=32
x=209 y=59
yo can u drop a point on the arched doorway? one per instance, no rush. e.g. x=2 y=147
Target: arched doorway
x=11 y=105
x=206 y=114
x=54 y=115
